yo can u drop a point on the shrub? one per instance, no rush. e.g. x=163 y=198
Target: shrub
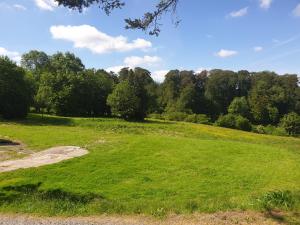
x=156 y=116
x=226 y=121
x=175 y=116
x=234 y=121
x=270 y=129
x=198 y=118
x=291 y=123
x=278 y=200
x=242 y=123
x=260 y=129
x=273 y=130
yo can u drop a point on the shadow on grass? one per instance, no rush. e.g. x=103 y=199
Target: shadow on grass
x=49 y=120
x=289 y=218
x=42 y=120
x=15 y=193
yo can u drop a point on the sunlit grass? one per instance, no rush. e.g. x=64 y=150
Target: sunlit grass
x=153 y=167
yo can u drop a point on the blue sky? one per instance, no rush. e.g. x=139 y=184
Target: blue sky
x=227 y=34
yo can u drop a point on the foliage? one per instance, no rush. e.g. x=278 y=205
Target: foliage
x=124 y=102
x=150 y=20
x=221 y=88
x=198 y=118
x=234 y=121
x=239 y=106
x=291 y=123
x=61 y=85
x=270 y=129
x=278 y=200
x=175 y=116
x=15 y=90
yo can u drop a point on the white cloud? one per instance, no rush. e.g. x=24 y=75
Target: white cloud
x=239 y=13
x=19 y=7
x=265 y=4
x=296 y=11
x=258 y=49
x=6 y=6
x=199 y=70
x=49 y=5
x=134 y=61
x=86 y=36
x=114 y=69
x=159 y=75
x=16 y=56
x=223 y=53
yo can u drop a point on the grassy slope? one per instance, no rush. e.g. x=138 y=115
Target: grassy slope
x=153 y=168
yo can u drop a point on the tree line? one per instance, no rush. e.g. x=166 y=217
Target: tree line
x=60 y=84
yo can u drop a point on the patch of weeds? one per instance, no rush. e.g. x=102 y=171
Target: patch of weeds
x=191 y=206
x=277 y=200
x=159 y=213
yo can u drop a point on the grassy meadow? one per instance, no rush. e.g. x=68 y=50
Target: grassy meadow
x=154 y=167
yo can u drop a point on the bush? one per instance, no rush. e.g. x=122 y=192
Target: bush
x=260 y=129
x=278 y=200
x=198 y=118
x=270 y=129
x=234 y=122
x=156 y=116
x=291 y=123
x=242 y=123
x=226 y=121
x=175 y=116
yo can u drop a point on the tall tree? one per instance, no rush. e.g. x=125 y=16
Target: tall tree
x=221 y=88
x=15 y=91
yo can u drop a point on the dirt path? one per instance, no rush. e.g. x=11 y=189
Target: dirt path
x=225 y=218
x=49 y=156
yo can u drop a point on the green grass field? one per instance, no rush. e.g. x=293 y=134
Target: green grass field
x=153 y=168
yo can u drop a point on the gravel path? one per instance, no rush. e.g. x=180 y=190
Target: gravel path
x=225 y=218
x=49 y=156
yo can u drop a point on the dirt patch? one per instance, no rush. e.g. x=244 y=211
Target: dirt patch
x=49 y=156
x=224 y=218
x=12 y=150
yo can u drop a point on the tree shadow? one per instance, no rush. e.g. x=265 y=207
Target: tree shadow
x=14 y=193
x=42 y=120
x=289 y=218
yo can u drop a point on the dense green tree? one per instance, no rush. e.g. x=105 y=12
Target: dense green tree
x=272 y=96
x=243 y=83
x=65 y=63
x=143 y=86
x=291 y=123
x=76 y=94
x=36 y=62
x=170 y=90
x=221 y=88
x=15 y=90
x=124 y=102
x=239 y=106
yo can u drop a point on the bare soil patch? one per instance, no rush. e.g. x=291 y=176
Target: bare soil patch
x=224 y=218
x=49 y=156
